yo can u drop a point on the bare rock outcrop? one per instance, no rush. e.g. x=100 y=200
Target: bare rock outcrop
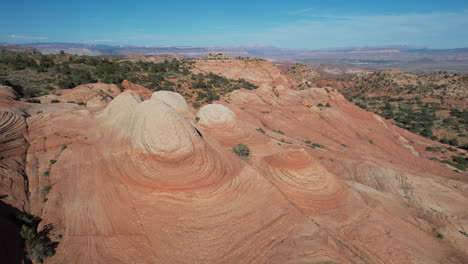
x=144 y=92
x=252 y=70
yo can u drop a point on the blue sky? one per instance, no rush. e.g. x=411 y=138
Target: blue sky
x=289 y=24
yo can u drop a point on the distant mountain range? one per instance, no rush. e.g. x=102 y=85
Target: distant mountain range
x=253 y=51
x=406 y=58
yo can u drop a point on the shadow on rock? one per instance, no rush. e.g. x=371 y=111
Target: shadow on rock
x=20 y=240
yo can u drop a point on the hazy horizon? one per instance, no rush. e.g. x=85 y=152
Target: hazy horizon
x=394 y=46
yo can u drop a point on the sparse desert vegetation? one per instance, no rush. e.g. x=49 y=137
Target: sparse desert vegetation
x=33 y=75
x=431 y=105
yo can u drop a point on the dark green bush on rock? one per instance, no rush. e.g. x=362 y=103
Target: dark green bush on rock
x=241 y=150
x=38 y=245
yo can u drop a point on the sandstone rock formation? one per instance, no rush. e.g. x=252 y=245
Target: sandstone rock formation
x=13 y=142
x=174 y=100
x=216 y=115
x=252 y=70
x=94 y=95
x=142 y=91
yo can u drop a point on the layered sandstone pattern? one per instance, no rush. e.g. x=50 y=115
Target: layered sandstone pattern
x=13 y=142
x=304 y=181
x=13 y=180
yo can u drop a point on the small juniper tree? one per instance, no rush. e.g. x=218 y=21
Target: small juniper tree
x=241 y=150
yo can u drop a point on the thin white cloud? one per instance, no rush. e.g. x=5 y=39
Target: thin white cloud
x=98 y=41
x=301 y=11
x=21 y=37
x=441 y=29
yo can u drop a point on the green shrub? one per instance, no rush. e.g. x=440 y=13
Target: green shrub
x=433 y=149
x=261 y=130
x=320 y=105
x=54 y=101
x=37 y=245
x=453 y=141
x=241 y=150
x=328 y=105
x=437 y=234
x=461 y=160
x=34 y=101
x=66 y=83
x=45 y=190
x=454 y=164
x=316 y=145
x=361 y=105
x=31 y=92
x=80 y=76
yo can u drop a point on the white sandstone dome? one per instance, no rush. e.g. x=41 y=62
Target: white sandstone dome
x=120 y=110
x=215 y=115
x=123 y=103
x=159 y=129
x=152 y=125
x=173 y=99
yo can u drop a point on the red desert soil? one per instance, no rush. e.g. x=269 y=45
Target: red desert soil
x=155 y=181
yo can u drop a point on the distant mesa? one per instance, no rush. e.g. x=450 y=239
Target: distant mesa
x=10 y=47
x=215 y=56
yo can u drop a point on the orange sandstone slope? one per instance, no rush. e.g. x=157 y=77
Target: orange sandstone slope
x=256 y=71
x=154 y=181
